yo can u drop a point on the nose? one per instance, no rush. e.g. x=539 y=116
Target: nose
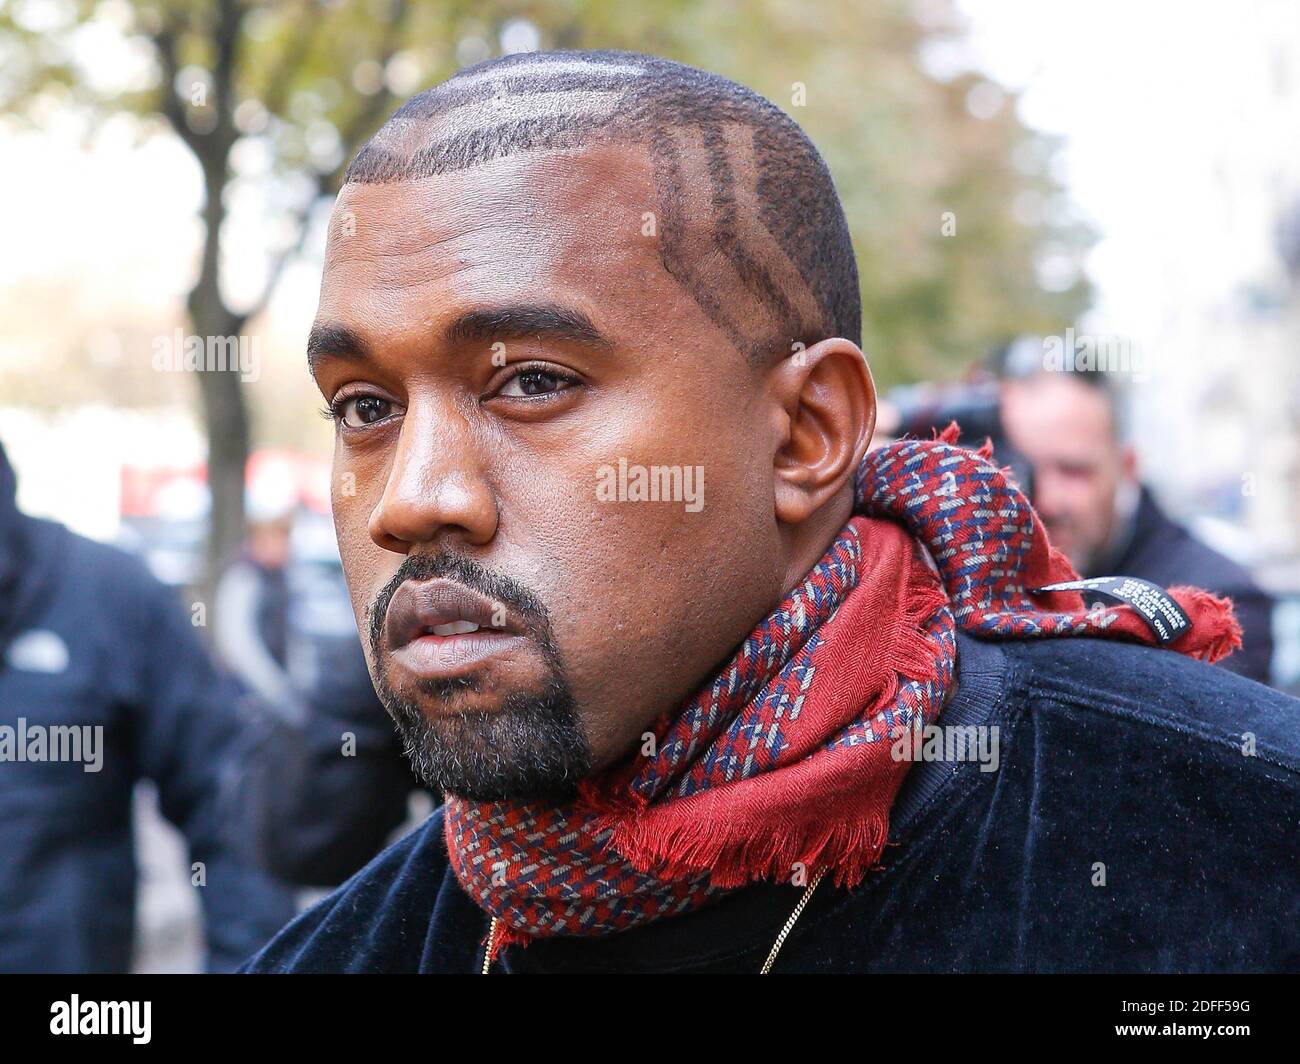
x=436 y=486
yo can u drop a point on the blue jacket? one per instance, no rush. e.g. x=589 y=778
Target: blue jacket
x=1125 y=829
x=89 y=639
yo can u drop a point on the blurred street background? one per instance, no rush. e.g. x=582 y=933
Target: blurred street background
x=1013 y=172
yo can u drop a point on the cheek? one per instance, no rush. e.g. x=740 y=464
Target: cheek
x=1100 y=493
x=366 y=566
x=646 y=596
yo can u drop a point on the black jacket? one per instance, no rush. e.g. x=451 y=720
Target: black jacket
x=88 y=638
x=1165 y=553
x=322 y=795
x=1124 y=830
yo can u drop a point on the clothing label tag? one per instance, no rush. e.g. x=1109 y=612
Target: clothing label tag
x=1163 y=615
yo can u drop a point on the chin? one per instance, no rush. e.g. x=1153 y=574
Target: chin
x=486 y=747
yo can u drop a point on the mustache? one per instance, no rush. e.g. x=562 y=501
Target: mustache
x=473 y=575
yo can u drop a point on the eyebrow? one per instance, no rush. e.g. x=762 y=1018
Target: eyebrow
x=519 y=321
x=328 y=340
x=485 y=325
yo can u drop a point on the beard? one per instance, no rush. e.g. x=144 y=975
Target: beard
x=529 y=747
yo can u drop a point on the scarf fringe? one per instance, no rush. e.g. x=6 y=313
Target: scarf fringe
x=507 y=935
x=913 y=652
x=734 y=857
x=850 y=849
x=952 y=433
x=1215 y=631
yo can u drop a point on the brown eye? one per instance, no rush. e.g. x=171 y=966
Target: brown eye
x=364 y=410
x=533 y=382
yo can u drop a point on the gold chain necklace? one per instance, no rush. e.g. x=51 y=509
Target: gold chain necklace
x=767 y=964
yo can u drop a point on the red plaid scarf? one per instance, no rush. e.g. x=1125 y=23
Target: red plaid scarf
x=781 y=765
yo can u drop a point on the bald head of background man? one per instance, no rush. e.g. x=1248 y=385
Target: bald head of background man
x=1085 y=475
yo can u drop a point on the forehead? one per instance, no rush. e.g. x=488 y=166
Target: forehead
x=569 y=222
x=1053 y=412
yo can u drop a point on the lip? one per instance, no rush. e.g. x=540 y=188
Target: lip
x=417 y=607
x=445 y=657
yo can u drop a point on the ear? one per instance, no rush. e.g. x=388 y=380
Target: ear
x=829 y=401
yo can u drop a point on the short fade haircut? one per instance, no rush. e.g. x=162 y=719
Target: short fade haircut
x=748 y=220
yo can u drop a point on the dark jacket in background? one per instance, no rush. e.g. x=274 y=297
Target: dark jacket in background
x=318 y=809
x=1165 y=553
x=89 y=637
x=1124 y=830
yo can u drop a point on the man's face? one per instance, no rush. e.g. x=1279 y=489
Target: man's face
x=1065 y=430
x=478 y=469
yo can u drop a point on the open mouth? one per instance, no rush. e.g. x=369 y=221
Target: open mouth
x=440 y=629
x=455 y=628
x=444 y=608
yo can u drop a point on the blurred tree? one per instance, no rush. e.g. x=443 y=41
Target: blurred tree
x=957 y=222
x=310 y=79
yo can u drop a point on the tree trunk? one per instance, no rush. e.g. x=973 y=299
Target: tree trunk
x=226 y=418
x=225 y=414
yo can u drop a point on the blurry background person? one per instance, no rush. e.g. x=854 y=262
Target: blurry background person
x=324 y=791
x=88 y=638
x=323 y=782
x=250 y=622
x=1069 y=429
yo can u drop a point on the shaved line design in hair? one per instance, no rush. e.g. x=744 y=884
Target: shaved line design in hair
x=749 y=222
